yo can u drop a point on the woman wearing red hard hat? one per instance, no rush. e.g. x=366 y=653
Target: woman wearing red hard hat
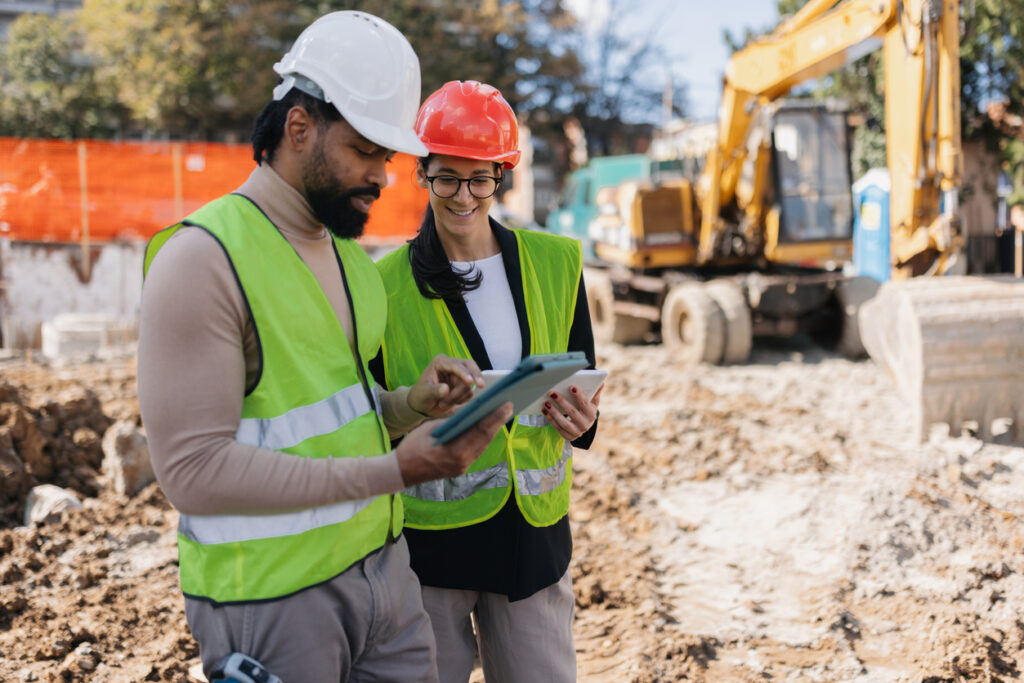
x=492 y=545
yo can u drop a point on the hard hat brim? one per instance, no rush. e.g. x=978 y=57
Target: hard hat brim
x=508 y=160
x=388 y=136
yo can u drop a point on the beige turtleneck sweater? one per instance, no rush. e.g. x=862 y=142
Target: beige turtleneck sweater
x=198 y=353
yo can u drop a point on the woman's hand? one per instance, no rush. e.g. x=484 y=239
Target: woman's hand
x=572 y=417
x=444 y=385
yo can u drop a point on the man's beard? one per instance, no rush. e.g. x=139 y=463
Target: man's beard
x=331 y=201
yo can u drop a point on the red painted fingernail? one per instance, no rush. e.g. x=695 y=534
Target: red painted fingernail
x=547 y=406
x=572 y=389
x=554 y=395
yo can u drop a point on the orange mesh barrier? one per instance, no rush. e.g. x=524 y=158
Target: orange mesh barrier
x=98 y=191
x=397 y=215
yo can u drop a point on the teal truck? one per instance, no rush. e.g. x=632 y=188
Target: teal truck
x=577 y=205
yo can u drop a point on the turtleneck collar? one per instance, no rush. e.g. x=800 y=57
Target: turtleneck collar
x=284 y=205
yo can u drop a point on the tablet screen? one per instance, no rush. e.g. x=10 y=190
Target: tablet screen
x=588 y=382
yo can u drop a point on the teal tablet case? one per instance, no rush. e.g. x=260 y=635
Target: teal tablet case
x=534 y=376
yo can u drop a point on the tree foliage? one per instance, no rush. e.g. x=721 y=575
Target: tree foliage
x=516 y=46
x=992 y=70
x=47 y=88
x=191 y=68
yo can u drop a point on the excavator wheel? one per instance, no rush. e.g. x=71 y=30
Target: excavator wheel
x=954 y=346
x=851 y=294
x=630 y=330
x=605 y=323
x=728 y=294
x=693 y=324
x=601 y=302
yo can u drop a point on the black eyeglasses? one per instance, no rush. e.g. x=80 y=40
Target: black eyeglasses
x=480 y=186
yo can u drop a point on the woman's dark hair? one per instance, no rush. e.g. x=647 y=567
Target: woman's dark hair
x=431 y=269
x=269 y=126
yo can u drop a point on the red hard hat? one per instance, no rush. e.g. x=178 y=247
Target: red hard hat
x=470 y=120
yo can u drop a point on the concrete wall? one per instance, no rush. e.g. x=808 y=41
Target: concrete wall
x=39 y=281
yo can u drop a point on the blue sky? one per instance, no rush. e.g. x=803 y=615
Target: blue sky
x=690 y=31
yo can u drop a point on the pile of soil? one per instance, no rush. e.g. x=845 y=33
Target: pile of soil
x=51 y=428
x=55 y=442
x=759 y=522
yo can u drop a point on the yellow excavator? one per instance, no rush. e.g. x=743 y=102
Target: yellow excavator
x=756 y=245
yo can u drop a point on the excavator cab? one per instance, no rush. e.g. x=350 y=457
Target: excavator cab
x=812 y=187
x=812 y=172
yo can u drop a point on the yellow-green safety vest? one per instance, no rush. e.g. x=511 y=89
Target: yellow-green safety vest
x=531 y=453
x=312 y=400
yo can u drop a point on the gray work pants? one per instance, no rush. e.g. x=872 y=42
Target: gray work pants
x=525 y=641
x=366 y=624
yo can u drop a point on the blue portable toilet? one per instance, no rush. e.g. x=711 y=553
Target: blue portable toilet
x=871 y=225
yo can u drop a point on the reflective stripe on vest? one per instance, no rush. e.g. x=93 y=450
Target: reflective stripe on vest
x=531 y=482
x=312 y=400
x=541 y=461
x=305 y=422
x=539 y=482
x=462 y=486
x=532 y=420
x=210 y=529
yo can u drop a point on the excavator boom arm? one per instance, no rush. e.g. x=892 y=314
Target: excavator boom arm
x=921 y=41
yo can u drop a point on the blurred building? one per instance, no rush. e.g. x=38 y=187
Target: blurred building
x=684 y=139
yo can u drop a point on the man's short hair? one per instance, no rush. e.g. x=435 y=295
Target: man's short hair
x=269 y=126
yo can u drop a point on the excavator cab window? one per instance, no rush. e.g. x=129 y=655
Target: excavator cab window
x=812 y=171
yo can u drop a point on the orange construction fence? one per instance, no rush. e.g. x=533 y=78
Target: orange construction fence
x=93 y=191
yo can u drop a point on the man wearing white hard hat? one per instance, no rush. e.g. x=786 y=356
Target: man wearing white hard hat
x=259 y=315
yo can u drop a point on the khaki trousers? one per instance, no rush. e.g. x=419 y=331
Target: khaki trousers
x=525 y=641
x=366 y=624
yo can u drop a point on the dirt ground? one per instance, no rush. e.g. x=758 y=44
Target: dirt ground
x=767 y=521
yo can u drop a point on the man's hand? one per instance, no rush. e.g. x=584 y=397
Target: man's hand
x=444 y=385
x=420 y=459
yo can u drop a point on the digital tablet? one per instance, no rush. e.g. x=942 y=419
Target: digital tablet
x=528 y=381
x=588 y=381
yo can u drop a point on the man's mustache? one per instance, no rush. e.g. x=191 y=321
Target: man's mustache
x=368 y=191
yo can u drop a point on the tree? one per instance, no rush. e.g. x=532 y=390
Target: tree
x=520 y=47
x=191 y=68
x=992 y=78
x=623 y=82
x=48 y=87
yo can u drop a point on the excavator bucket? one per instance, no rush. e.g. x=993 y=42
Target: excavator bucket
x=954 y=346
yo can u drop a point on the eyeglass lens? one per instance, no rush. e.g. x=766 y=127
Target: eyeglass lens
x=446 y=186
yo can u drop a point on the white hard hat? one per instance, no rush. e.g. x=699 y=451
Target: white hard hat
x=366 y=68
